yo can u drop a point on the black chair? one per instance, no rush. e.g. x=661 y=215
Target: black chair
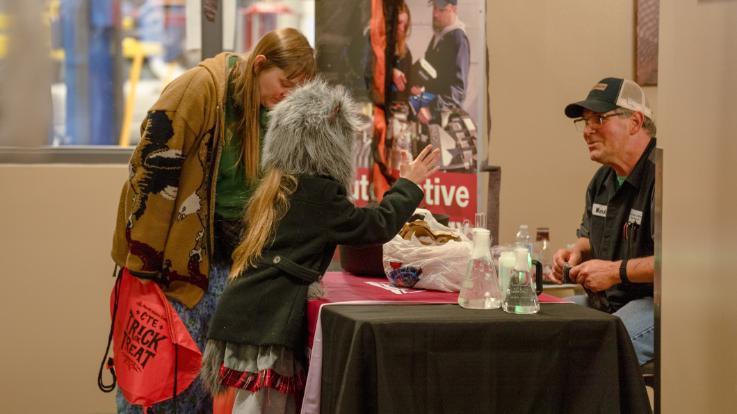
x=648 y=373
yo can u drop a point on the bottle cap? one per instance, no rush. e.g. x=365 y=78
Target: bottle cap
x=481 y=242
x=521 y=259
x=543 y=233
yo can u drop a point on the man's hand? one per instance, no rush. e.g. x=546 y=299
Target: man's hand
x=561 y=257
x=424 y=116
x=596 y=275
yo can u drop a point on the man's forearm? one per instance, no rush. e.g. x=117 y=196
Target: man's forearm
x=641 y=269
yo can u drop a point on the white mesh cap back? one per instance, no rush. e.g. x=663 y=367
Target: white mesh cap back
x=632 y=97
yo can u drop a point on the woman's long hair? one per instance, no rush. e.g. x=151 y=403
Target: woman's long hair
x=402 y=37
x=286 y=49
x=266 y=207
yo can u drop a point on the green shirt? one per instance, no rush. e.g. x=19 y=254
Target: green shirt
x=620 y=180
x=233 y=191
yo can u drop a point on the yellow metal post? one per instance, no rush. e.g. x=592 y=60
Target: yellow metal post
x=135 y=75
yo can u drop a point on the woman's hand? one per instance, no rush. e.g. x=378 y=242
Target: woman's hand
x=425 y=165
x=400 y=81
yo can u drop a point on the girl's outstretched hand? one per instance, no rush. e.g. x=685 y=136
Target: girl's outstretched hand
x=425 y=165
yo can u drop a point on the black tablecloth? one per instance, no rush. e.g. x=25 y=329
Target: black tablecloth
x=445 y=359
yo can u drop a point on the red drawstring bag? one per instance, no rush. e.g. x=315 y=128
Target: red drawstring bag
x=155 y=356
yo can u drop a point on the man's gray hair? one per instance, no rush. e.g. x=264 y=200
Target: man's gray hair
x=312 y=131
x=648 y=124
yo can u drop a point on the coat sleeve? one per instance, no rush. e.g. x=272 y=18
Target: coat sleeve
x=353 y=225
x=170 y=131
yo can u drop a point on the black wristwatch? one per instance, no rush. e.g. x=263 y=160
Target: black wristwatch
x=623 y=272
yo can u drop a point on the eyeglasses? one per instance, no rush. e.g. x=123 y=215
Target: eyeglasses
x=593 y=121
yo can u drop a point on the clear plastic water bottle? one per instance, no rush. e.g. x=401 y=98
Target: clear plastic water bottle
x=523 y=237
x=520 y=296
x=480 y=288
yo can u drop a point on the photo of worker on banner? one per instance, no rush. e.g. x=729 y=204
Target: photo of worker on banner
x=418 y=69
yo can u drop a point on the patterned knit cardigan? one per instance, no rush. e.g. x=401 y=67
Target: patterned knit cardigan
x=166 y=211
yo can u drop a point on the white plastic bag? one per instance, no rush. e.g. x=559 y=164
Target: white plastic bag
x=410 y=263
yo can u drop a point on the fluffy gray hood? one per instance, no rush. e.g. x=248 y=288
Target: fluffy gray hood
x=311 y=132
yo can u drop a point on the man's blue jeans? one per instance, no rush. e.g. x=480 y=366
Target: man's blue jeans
x=639 y=320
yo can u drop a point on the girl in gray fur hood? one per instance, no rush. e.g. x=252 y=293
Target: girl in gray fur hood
x=297 y=216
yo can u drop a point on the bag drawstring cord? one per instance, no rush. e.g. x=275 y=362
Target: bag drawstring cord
x=100 y=383
x=176 y=366
x=176 y=360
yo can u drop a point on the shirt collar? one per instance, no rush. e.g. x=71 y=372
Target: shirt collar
x=458 y=24
x=634 y=179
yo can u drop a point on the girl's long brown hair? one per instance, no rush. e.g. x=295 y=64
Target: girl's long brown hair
x=286 y=49
x=266 y=207
x=402 y=37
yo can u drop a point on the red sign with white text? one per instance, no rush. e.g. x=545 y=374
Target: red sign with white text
x=448 y=193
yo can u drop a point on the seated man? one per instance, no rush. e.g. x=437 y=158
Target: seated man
x=613 y=256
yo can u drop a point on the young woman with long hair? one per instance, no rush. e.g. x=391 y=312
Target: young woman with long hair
x=180 y=212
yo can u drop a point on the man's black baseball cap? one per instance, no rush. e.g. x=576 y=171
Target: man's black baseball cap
x=609 y=94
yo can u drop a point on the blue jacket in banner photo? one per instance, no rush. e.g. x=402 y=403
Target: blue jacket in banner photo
x=450 y=54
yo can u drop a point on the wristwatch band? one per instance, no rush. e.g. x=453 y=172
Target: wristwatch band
x=623 y=272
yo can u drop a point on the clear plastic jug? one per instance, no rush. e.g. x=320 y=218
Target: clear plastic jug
x=520 y=295
x=504 y=260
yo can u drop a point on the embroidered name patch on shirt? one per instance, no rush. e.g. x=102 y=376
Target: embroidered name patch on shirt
x=598 y=210
x=635 y=216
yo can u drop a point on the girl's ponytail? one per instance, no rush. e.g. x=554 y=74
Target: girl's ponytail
x=265 y=208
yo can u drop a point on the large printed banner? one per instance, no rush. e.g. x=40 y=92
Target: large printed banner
x=445 y=193
x=418 y=70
